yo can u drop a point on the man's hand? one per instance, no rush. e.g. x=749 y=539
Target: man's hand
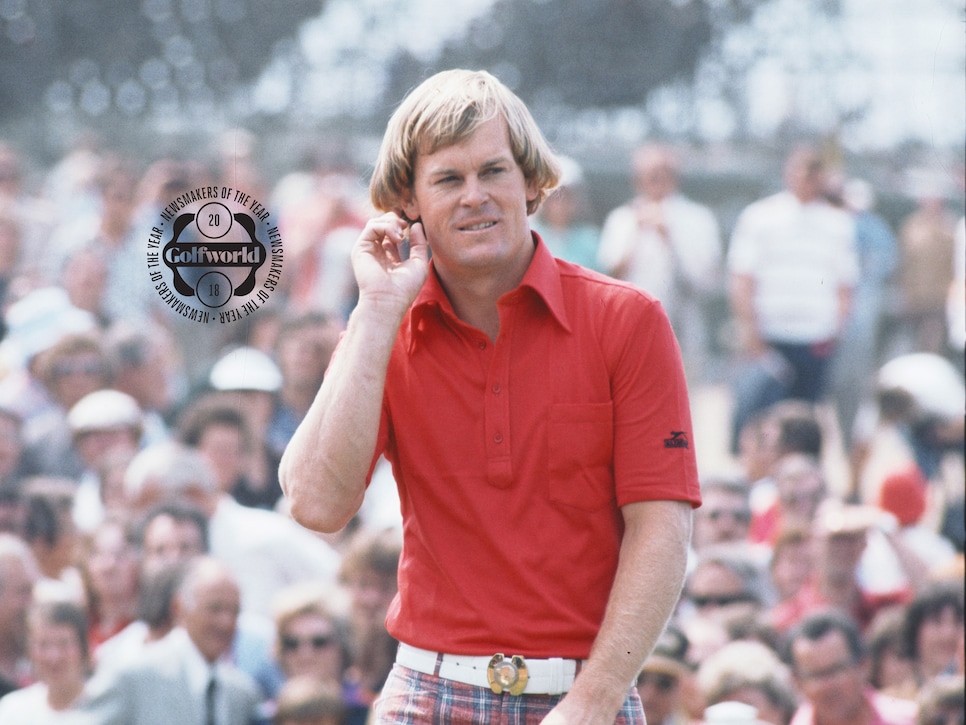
x=382 y=274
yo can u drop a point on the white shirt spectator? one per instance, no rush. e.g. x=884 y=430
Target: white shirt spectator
x=800 y=255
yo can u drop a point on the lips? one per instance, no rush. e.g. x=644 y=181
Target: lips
x=478 y=227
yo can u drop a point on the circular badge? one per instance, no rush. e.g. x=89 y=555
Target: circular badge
x=215 y=255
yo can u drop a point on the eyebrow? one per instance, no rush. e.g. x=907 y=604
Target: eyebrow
x=490 y=163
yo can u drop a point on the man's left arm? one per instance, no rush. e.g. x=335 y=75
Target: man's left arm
x=646 y=588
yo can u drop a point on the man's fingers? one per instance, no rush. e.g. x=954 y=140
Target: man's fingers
x=418 y=246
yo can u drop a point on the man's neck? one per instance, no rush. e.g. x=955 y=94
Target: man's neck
x=862 y=715
x=474 y=296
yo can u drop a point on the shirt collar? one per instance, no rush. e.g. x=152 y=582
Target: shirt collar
x=542 y=277
x=197 y=668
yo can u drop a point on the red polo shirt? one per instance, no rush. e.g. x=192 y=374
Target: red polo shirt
x=513 y=459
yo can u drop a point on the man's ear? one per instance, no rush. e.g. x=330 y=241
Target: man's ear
x=408 y=205
x=177 y=608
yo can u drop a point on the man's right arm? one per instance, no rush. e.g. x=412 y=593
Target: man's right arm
x=324 y=469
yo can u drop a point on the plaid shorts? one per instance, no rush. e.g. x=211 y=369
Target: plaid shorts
x=413 y=698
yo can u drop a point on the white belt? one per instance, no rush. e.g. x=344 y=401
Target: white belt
x=553 y=676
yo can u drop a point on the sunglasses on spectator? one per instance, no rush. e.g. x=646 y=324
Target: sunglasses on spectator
x=318 y=642
x=740 y=515
x=723 y=600
x=79 y=368
x=945 y=718
x=658 y=680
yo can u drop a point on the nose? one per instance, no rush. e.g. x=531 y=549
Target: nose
x=473 y=192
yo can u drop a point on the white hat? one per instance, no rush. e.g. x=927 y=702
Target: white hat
x=38 y=321
x=104 y=410
x=731 y=713
x=246 y=368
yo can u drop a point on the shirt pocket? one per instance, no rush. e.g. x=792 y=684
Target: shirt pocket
x=581 y=454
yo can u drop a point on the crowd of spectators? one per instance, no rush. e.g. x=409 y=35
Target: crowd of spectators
x=142 y=522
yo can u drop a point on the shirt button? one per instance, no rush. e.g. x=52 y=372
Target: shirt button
x=498 y=438
x=481 y=344
x=496 y=389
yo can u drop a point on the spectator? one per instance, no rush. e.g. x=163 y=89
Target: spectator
x=184 y=674
x=890 y=671
x=728 y=585
x=110 y=564
x=666 y=244
x=311 y=637
x=725 y=514
x=918 y=416
x=800 y=488
x=35 y=324
x=564 y=218
x=665 y=680
x=860 y=346
x=956 y=297
x=830 y=665
x=303 y=349
x=307 y=700
x=369 y=572
x=59 y=654
x=925 y=271
x=219 y=431
x=51 y=534
x=942 y=701
x=146 y=368
x=101 y=423
x=250 y=379
x=840 y=534
x=792 y=563
x=932 y=631
x=752 y=673
x=18 y=574
x=788 y=426
x=11 y=448
x=71 y=369
x=172 y=535
x=265 y=550
x=154 y=616
x=793 y=265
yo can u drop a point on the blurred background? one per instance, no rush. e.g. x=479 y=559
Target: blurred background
x=277 y=97
x=880 y=81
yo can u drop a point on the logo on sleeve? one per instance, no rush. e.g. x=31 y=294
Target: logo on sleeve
x=678 y=439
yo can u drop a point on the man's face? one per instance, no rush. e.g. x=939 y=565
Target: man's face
x=724 y=516
x=660 y=694
x=718 y=593
x=11 y=445
x=168 y=540
x=472 y=199
x=16 y=591
x=829 y=678
x=211 y=617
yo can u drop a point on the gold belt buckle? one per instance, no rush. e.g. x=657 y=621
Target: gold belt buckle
x=507 y=674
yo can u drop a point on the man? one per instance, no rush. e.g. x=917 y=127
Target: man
x=265 y=550
x=725 y=513
x=171 y=536
x=536 y=418
x=666 y=244
x=103 y=423
x=793 y=264
x=18 y=574
x=830 y=666
x=666 y=680
x=840 y=535
x=183 y=678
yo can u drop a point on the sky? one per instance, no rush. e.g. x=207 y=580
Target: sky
x=901 y=63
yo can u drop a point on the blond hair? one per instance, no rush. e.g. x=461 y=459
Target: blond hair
x=448 y=108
